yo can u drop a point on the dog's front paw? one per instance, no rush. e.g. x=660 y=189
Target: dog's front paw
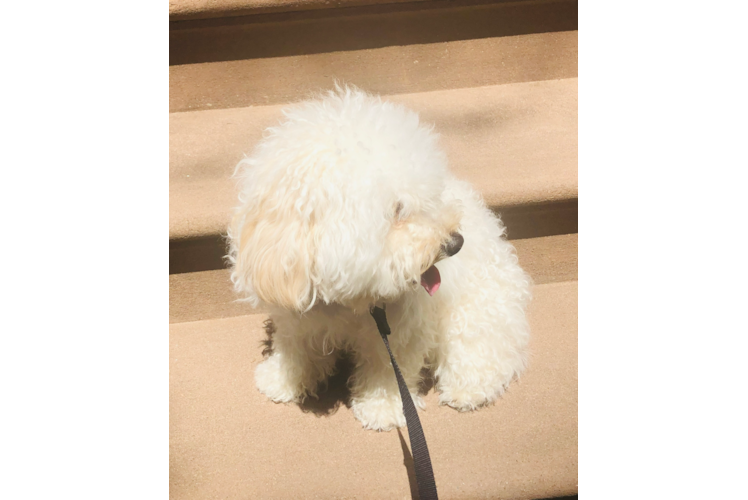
x=380 y=413
x=274 y=382
x=469 y=390
x=469 y=399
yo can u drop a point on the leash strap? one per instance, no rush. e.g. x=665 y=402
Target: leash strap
x=421 y=458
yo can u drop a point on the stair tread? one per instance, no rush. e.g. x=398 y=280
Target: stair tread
x=516 y=143
x=227 y=440
x=258 y=64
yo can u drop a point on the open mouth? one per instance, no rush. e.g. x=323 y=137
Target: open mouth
x=430 y=280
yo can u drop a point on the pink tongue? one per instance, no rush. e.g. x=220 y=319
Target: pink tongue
x=431 y=280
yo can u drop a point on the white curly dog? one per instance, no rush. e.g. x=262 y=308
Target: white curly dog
x=348 y=203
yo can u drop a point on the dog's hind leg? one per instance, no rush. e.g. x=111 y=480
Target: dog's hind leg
x=483 y=350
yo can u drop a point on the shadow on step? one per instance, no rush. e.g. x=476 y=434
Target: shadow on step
x=358 y=28
x=334 y=394
x=409 y=466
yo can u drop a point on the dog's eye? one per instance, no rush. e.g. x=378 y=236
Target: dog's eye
x=398 y=209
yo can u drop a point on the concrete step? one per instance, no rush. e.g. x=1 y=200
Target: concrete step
x=516 y=143
x=228 y=441
x=207 y=9
x=260 y=60
x=208 y=295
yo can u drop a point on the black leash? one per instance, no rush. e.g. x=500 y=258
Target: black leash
x=421 y=458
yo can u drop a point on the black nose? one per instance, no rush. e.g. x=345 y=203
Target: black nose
x=453 y=245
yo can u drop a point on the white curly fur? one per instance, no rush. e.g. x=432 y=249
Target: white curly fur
x=345 y=204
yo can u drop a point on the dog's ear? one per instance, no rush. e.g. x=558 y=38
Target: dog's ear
x=272 y=253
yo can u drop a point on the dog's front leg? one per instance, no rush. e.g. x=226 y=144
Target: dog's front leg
x=299 y=360
x=375 y=397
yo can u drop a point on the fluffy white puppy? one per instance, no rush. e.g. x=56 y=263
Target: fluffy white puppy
x=348 y=203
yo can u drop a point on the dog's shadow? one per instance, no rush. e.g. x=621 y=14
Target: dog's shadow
x=333 y=393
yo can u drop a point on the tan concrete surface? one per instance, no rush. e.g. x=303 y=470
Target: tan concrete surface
x=228 y=441
x=203 y=9
x=516 y=143
x=387 y=70
x=549 y=259
x=210 y=295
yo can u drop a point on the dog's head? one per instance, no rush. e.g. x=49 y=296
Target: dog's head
x=345 y=202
